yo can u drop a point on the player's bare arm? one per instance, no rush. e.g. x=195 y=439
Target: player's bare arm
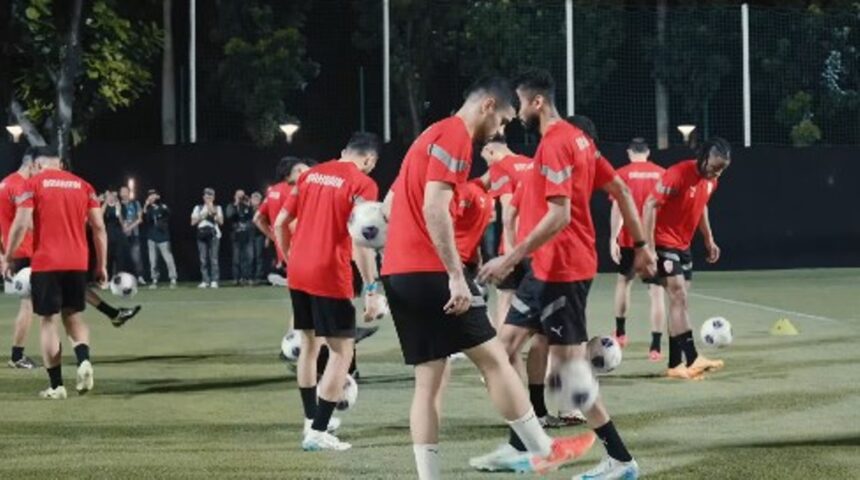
x=22 y=223
x=645 y=261
x=262 y=224
x=365 y=261
x=282 y=221
x=386 y=204
x=649 y=219
x=437 y=198
x=616 y=222
x=509 y=221
x=708 y=234
x=96 y=221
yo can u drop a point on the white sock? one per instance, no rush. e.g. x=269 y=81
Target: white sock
x=531 y=433
x=427 y=461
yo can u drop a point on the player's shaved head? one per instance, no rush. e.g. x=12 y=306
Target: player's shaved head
x=585 y=124
x=493 y=86
x=46 y=155
x=639 y=146
x=363 y=143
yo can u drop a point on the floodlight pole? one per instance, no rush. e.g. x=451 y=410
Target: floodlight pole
x=745 y=30
x=386 y=72
x=568 y=15
x=192 y=72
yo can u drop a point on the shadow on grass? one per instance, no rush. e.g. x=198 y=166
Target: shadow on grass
x=173 y=385
x=160 y=358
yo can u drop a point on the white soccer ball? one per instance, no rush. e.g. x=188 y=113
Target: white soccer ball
x=21 y=283
x=368 y=225
x=716 y=332
x=123 y=285
x=572 y=386
x=604 y=353
x=291 y=345
x=349 y=396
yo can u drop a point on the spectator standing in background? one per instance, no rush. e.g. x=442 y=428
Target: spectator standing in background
x=258 y=242
x=156 y=217
x=241 y=217
x=117 y=241
x=132 y=217
x=208 y=219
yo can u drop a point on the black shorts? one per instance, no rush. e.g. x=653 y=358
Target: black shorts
x=326 y=316
x=60 y=291
x=555 y=309
x=425 y=331
x=672 y=262
x=625 y=267
x=512 y=281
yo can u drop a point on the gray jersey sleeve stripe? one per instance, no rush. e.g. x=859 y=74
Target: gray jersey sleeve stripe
x=23 y=197
x=556 y=176
x=450 y=162
x=501 y=182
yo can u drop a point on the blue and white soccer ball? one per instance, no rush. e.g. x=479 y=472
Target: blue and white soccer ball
x=20 y=284
x=124 y=285
x=291 y=345
x=349 y=396
x=572 y=386
x=368 y=225
x=716 y=332
x=604 y=353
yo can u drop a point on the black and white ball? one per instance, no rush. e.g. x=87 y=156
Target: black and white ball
x=124 y=285
x=604 y=353
x=291 y=345
x=368 y=225
x=572 y=386
x=349 y=396
x=20 y=284
x=716 y=332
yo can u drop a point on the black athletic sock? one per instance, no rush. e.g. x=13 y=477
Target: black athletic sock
x=108 y=310
x=655 y=340
x=620 y=323
x=309 y=401
x=324 y=411
x=515 y=441
x=613 y=443
x=56 y=376
x=689 y=347
x=82 y=352
x=17 y=353
x=675 y=351
x=537 y=399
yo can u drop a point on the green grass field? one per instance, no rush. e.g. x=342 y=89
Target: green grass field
x=192 y=388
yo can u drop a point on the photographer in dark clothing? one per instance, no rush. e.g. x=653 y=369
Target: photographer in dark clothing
x=241 y=217
x=156 y=216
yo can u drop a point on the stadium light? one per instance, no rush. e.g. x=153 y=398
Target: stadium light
x=686 y=130
x=15 y=131
x=290 y=128
x=131 y=188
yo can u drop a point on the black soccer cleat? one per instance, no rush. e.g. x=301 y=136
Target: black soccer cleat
x=363 y=333
x=124 y=315
x=23 y=363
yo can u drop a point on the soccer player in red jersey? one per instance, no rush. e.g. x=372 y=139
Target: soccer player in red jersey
x=555 y=215
x=57 y=206
x=676 y=208
x=10 y=188
x=474 y=210
x=641 y=175
x=320 y=274
x=436 y=306
x=287 y=173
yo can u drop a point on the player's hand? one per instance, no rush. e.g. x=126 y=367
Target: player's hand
x=5 y=267
x=461 y=296
x=645 y=263
x=101 y=277
x=374 y=306
x=495 y=270
x=615 y=252
x=713 y=251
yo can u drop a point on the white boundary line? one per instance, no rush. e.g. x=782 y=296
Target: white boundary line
x=766 y=308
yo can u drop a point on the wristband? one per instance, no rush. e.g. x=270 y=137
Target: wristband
x=640 y=244
x=371 y=287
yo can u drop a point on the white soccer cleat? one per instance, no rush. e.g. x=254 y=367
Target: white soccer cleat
x=504 y=458
x=277 y=280
x=203 y=285
x=317 y=441
x=611 y=469
x=213 y=285
x=333 y=425
x=85 y=377
x=58 y=393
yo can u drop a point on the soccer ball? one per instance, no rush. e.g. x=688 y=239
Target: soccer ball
x=572 y=386
x=123 y=285
x=604 y=353
x=349 y=396
x=21 y=283
x=716 y=332
x=291 y=345
x=367 y=225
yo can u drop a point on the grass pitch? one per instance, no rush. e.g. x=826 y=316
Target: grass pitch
x=192 y=388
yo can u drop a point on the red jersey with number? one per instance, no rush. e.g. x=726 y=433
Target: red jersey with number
x=567 y=164
x=61 y=202
x=10 y=188
x=640 y=177
x=472 y=210
x=508 y=174
x=321 y=248
x=276 y=195
x=443 y=153
x=682 y=195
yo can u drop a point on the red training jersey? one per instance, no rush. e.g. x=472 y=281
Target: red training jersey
x=474 y=208
x=60 y=201
x=10 y=188
x=276 y=195
x=640 y=177
x=567 y=164
x=443 y=153
x=321 y=248
x=508 y=174
x=682 y=195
